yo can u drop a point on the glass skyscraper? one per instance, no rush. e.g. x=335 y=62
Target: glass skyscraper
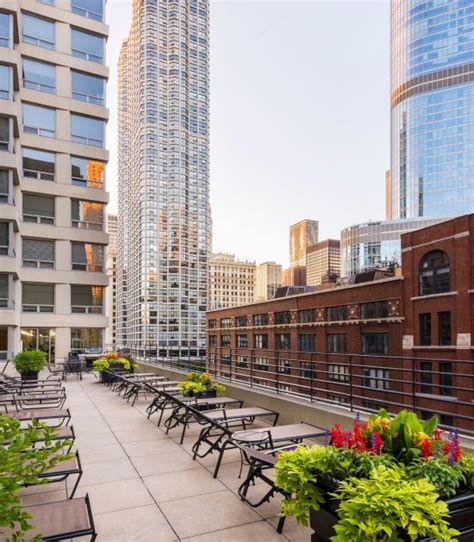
x=432 y=102
x=164 y=221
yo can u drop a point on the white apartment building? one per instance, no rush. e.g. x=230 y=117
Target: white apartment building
x=232 y=282
x=52 y=175
x=164 y=212
x=110 y=341
x=268 y=280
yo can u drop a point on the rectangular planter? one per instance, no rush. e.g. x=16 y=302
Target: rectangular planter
x=461 y=509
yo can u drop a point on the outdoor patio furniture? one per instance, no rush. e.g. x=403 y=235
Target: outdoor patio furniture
x=73 y=367
x=61 y=520
x=63 y=470
x=63 y=416
x=55 y=372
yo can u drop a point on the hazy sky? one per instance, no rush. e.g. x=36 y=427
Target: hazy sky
x=299 y=117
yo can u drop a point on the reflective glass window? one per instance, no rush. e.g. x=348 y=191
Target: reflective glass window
x=87 y=130
x=39 y=209
x=93 y=9
x=39 y=120
x=5 y=31
x=434 y=273
x=87 y=214
x=4 y=133
x=39 y=164
x=86 y=299
x=87 y=88
x=5 y=82
x=38 y=31
x=39 y=76
x=87 y=172
x=87 y=46
x=4 y=186
x=37 y=297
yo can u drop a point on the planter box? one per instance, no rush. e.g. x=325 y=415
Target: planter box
x=461 y=510
x=29 y=375
x=203 y=395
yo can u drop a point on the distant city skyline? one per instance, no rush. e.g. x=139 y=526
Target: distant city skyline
x=299 y=126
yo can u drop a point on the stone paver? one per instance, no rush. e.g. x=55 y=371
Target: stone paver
x=145 y=487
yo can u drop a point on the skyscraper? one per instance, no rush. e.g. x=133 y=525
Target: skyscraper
x=111 y=291
x=268 y=280
x=232 y=282
x=302 y=235
x=164 y=179
x=323 y=263
x=432 y=100
x=52 y=164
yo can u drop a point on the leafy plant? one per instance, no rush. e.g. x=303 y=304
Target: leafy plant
x=198 y=383
x=375 y=508
x=467 y=465
x=30 y=360
x=21 y=464
x=446 y=478
x=102 y=364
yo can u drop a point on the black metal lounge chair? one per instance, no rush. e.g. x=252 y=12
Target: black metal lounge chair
x=63 y=416
x=62 y=520
x=63 y=470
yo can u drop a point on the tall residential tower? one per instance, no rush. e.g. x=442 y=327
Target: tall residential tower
x=52 y=176
x=164 y=179
x=432 y=100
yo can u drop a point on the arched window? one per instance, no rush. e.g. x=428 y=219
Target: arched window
x=434 y=273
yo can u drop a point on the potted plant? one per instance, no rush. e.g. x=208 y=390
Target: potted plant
x=111 y=362
x=201 y=385
x=390 y=479
x=29 y=363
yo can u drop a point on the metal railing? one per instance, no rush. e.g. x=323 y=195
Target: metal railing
x=357 y=382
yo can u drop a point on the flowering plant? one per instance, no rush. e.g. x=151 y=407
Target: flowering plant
x=198 y=383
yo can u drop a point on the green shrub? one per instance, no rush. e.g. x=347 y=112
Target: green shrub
x=30 y=360
x=21 y=464
x=198 y=383
x=102 y=364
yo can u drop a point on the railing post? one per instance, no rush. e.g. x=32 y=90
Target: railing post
x=311 y=365
x=252 y=357
x=230 y=366
x=413 y=383
x=351 y=399
x=277 y=372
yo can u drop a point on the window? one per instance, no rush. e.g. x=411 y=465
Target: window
x=87 y=88
x=242 y=341
x=335 y=314
x=444 y=328
x=260 y=319
x=4 y=239
x=241 y=321
x=376 y=378
x=284 y=366
x=87 y=215
x=261 y=340
x=375 y=343
x=4 y=288
x=38 y=253
x=5 y=131
x=93 y=9
x=261 y=364
x=39 y=164
x=225 y=340
x=212 y=324
x=39 y=120
x=4 y=186
x=337 y=342
x=434 y=273
x=226 y=322
x=88 y=173
x=86 y=299
x=86 y=338
x=39 y=209
x=37 y=31
x=242 y=361
x=282 y=341
x=425 y=329
x=307 y=343
x=5 y=30
x=212 y=340
x=87 y=257
x=5 y=82
x=445 y=379
x=212 y=358
x=87 y=46
x=307 y=370
x=39 y=76
x=306 y=316
x=37 y=297
x=426 y=377
x=47 y=2
x=378 y=309
x=338 y=373
x=282 y=317
x=226 y=359
x=87 y=131
x=338 y=399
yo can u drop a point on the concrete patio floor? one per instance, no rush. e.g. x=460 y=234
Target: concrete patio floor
x=144 y=486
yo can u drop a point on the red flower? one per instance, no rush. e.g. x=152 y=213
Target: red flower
x=377 y=442
x=337 y=436
x=425 y=448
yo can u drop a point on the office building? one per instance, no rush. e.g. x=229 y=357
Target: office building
x=302 y=235
x=323 y=263
x=111 y=290
x=268 y=280
x=294 y=276
x=163 y=262
x=432 y=100
x=231 y=282
x=52 y=176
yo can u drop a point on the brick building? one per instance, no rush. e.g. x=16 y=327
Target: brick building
x=394 y=342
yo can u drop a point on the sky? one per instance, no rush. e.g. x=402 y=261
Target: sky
x=300 y=123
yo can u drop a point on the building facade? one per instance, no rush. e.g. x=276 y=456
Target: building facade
x=432 y=99
x=164 y=179
x=52 y=176
x=231 y=282
x=268 y=280
x=323 y=263
x=302 y=235
x=294 y=276
x=375 y=244
x=397 y=342
x=110 y=342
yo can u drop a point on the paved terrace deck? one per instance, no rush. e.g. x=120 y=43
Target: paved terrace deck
x=145 y=486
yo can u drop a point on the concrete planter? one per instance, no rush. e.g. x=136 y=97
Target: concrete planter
x=29 y=375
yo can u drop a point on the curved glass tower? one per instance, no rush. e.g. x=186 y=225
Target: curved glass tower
x=432 y=102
